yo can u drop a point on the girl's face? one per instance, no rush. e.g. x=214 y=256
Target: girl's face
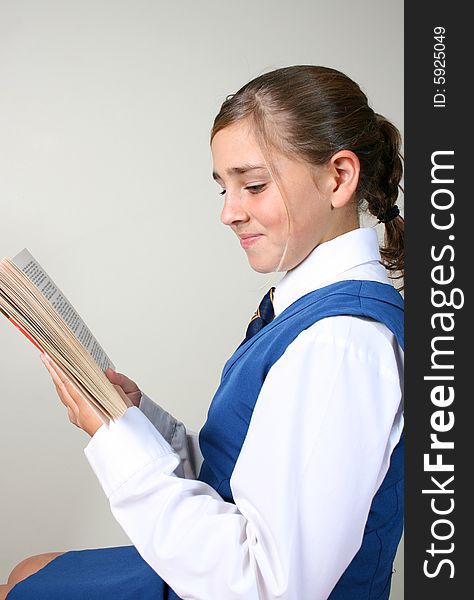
x=254 y=207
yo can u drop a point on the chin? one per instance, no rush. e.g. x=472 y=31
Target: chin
x=262 y=267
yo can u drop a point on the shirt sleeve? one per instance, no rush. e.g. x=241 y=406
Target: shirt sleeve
x=317 y=448
x=184 y=443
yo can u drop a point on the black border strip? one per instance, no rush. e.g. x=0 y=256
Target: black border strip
x=438 y=214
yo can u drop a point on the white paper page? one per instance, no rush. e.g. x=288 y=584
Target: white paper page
x=25 y=261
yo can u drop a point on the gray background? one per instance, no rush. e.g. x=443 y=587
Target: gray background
x=105 y=113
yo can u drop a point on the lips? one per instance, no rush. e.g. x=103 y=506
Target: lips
x=248 y=239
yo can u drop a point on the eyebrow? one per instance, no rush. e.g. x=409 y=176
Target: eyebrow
x=239 y=170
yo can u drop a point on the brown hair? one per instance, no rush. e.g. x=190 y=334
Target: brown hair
x=314 y=112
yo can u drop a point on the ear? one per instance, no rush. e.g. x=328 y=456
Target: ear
x=344 y=171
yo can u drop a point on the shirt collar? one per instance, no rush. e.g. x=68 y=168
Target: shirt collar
x=326 y=264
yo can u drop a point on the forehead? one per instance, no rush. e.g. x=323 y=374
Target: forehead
x=237 y=137
x=235 y=151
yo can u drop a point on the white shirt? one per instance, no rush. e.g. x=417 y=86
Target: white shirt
x=318 y=447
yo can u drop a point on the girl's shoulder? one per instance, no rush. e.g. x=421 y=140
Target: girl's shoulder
x=351 y=338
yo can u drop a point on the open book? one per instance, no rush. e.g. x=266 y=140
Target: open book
x=36 y=306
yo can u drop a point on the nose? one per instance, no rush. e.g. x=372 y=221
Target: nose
x=233 y=210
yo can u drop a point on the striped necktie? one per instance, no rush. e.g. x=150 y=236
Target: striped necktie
x=262 y=316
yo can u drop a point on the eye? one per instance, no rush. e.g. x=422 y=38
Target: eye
x=222 y=193
x=256 y=189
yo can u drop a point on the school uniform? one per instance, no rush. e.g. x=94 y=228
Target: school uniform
x=299 y=495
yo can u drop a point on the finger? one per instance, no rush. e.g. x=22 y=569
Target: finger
x=67 y=391
x=110 y=373
x=80 y=411
x=61 y=390
x=60 y=386
x=64 y=396
x=54 y=376
x=67 y=383
x=114 y=377
x=73 y=417
x=124 y=396
x=57 y=369
x=122 y=380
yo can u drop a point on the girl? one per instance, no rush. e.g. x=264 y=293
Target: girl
x=296 y=489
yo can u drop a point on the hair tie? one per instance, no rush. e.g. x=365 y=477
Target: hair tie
x=390 y=214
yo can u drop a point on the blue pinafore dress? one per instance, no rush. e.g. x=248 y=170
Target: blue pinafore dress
x=121 y=574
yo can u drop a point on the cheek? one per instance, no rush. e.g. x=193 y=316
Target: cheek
x=304 y=226
x=273 y=213
x=306 y=223
x=309 y=213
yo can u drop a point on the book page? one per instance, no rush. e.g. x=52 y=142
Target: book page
x=36 y=274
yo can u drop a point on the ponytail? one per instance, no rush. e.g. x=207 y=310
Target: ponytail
x=382 y=194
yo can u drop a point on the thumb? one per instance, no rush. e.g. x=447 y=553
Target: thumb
x=111 y=374
x=128 y=386
x=116 y=378
x=124 y=396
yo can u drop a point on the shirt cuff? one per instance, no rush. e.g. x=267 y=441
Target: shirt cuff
x=119 y=450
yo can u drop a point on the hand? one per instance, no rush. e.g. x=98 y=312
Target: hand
x=129 y=387
x=79 y=410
